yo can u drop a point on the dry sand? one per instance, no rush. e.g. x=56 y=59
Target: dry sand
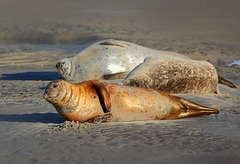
x=35 y=34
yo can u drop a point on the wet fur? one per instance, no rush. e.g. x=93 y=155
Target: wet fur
x=93 y=101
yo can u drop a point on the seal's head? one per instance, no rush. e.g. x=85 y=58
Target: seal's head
x=54 y=91
x=58 y=93
x=64 y=68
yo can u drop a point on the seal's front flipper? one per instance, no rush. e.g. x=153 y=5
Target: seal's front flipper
x=103 y=118
x=120 y=75
x=191 y=109
x=103 y=95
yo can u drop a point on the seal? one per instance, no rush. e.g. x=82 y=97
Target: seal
x=92 y=101
x=175 y=76
x=107 y=60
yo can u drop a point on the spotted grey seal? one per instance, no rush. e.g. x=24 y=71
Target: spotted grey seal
x=106 y=60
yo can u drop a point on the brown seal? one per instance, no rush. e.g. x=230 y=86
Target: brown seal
x=175 y=76
x=92 y=100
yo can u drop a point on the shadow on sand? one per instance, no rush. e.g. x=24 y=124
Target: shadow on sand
x=33 y=118
x=31 y=76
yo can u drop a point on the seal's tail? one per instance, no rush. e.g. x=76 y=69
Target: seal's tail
x=192 y=109
x=226 y=82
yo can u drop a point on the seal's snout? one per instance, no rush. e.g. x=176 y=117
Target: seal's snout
x=64 y=68
x=60 y=64
x=45 y=95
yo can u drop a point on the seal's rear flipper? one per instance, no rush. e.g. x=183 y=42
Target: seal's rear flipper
x=191 y=109
x=186 y=108
x=226 y=82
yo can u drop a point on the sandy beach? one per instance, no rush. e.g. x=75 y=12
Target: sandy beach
x=34 y=35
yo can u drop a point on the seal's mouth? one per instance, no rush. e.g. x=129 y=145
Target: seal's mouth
x=45 y=96
x=49 y=96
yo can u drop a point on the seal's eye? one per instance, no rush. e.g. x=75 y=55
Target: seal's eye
x=55 y=86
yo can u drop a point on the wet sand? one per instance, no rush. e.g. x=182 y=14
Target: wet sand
x=35 y=35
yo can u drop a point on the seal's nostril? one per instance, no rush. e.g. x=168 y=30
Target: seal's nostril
x=58 y=64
